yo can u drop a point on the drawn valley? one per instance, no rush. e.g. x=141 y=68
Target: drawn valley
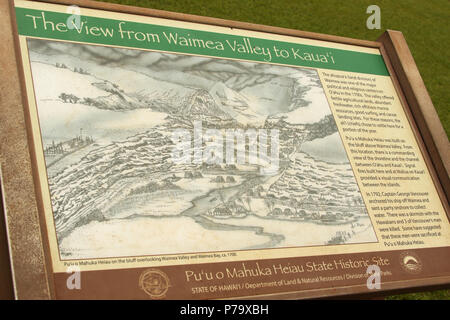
x=107 y=116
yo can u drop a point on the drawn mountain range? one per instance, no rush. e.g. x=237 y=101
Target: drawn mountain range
x=221 y=88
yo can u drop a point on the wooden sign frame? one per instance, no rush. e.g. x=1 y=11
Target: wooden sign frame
x=25 y=227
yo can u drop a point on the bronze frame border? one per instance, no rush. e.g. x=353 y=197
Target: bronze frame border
x=27 y=237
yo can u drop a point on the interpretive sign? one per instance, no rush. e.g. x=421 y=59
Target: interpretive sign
x=179 y=157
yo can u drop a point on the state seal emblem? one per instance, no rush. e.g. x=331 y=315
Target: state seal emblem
x=155 y=283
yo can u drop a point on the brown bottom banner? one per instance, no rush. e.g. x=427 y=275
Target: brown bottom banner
x=296 y=277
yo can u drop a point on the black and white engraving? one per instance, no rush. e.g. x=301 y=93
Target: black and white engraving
x=107 y=117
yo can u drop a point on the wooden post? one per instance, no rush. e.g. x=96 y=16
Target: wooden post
x=420 y=103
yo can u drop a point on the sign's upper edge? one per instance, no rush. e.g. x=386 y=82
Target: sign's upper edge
x=113 y=32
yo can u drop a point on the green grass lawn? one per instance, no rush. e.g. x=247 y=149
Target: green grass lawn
x=423 y=23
